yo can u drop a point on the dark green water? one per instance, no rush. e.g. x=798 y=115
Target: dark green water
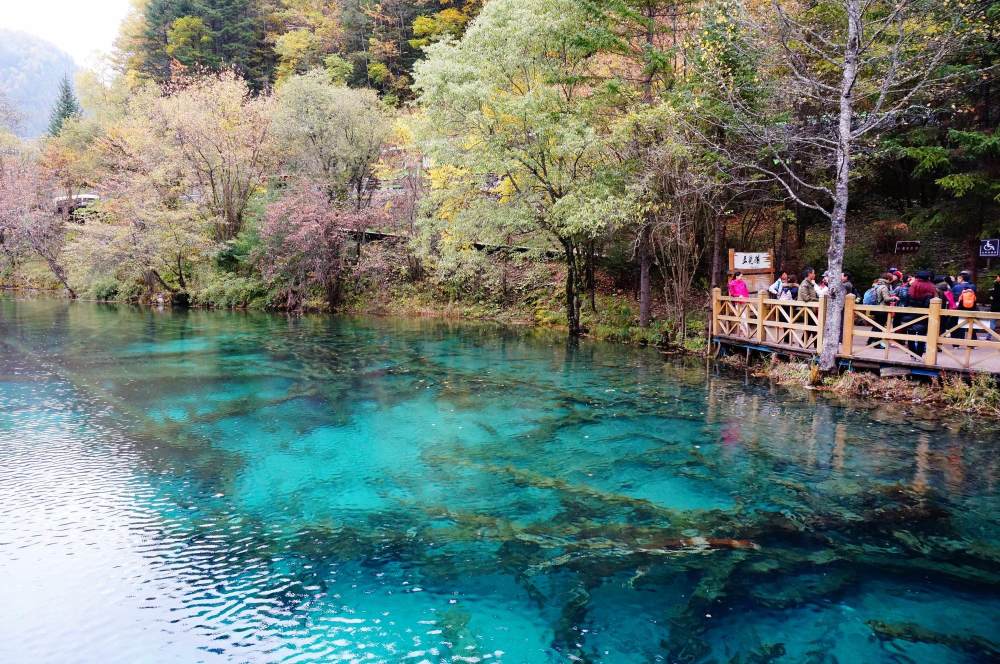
x=207 y=486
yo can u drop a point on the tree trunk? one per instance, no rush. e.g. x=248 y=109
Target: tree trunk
x=717 y=241
x=180 y=274
x=973 y=240
x=572 y=305
x=838 y=220
x=645 y=287
x=782 y=252
x=154 y=275
x=590 y=277
x=333 y=293
x=801 y=226
x=60 y=274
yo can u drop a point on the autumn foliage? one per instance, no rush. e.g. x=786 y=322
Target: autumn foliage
x=308 y=242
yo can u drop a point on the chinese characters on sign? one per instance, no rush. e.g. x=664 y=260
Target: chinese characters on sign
x=751 y=261
x=907 y=246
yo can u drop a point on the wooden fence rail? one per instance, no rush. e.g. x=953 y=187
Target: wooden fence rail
x=942 y=339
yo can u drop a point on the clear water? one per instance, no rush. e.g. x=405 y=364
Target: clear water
x=206 y=486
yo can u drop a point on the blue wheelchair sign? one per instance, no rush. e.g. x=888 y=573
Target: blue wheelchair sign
x=989 y=248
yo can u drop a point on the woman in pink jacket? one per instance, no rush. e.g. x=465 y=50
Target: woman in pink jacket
x=738 y=287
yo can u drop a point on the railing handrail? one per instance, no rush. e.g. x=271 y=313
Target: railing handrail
x=960 y=313
x=753 y=299
x=933 y=336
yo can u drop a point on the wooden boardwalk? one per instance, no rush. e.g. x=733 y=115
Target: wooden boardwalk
x=914 y=340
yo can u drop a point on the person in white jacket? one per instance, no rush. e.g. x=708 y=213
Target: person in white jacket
x=775 y=289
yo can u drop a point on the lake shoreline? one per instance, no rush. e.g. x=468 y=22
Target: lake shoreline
x=977 y=396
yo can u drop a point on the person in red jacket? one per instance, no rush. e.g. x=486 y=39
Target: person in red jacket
x=920 y=294
x=922 y=291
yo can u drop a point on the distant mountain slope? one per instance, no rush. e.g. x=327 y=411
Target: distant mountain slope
x=30 y=70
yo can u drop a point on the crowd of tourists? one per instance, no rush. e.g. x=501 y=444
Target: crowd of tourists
x=893 y=288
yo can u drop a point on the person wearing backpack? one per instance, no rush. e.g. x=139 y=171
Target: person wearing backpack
x=775 y=289
x=871 y=295
x=966 y=301
x=962 y=282
x=880 y=295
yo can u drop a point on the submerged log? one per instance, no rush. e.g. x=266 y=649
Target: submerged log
x=977 y=646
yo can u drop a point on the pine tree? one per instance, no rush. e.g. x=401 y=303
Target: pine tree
x=66 y=107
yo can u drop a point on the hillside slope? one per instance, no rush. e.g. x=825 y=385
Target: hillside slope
x=30 y=70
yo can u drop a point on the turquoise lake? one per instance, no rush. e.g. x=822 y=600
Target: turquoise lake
x=240 y=487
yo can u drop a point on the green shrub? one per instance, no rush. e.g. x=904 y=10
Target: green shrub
x=229 y=290
x=106 y=290
x=131 y=291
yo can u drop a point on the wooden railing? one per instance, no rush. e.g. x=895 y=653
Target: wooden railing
x=791 y=325
x=945 y=339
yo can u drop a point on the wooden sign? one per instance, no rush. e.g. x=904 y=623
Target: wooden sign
x=751 y=261
x=907 y=246
x=757 y=268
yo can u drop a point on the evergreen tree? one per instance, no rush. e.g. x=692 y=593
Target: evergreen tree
x=66 y=107
x=205 y=34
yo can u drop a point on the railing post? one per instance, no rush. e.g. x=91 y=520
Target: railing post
x=716 y=311
x=760 y=316
x=821 y=321
x=847 y=339
x=933 y=332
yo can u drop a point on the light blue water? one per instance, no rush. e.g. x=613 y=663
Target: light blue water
x=208 y=486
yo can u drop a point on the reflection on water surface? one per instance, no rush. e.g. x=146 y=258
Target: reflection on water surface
x=211 y=486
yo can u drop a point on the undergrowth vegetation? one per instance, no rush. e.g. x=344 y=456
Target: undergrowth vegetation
x=952 y=393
